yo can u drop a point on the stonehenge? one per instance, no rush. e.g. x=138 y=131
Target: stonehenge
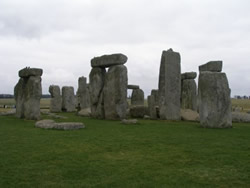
x=214 y=96
x=68 y=99
x=83 y=98
x=188 y=91
x=108 y=89
x=153 y=104
x=56 y=98
x=28 y=92
x=170 y=85
x=137 y=97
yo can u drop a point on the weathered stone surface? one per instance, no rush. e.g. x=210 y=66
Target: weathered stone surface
x=188 y=75
x=189 y=115
x=84 y=112
x=138 y=111
x=238 y=117
x=155 y=94
x=137 y=97
x=133 y=87
x=213 y=66
x=68 y=99
x=115 y=92
x=27 y=72
x=28 y=92
x=129 y=121
x=170 y=85
x=56 y=99
x=152 y=107
x=96 y=84
x=109 y=60
x=214 y=100
x=51 y=124
x=83 y=97
x=189 y=94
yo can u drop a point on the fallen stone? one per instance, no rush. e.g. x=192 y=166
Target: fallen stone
x=189 y=115
x=51 y=124
x=129 y=121
x=213 y=66
x=86 y=112
x=188 y=75
x=240 y=117
x=109 y=60
x=133 y=87
x=27 y=72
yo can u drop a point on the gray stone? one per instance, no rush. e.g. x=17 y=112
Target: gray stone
x=27 y=72
x=51 y=124
x=133 y=87
x=68 y=99
x=96 y=84
x=129 y=121
x=28 y=92
x=84 y=112
x=214 y=100
x=152 y=107
x=240 y=117
x=137 y=97
x=83 y=97
x=189 y=94
x=115 y=92
x=138 y=111
x=56 y=99
x=155 y=94
x=188 y=75
x=189 y=115
x=109 y=60
x=213 y=66
x=170 y=85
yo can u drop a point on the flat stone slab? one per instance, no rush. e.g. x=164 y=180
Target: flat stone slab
x=129 y=121
x=188 y=75
x=133 y=87
x=51 y=124
x=213 y=66
x=109 y=60
x=27 y=72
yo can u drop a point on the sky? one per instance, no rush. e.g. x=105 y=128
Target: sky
x=62 y=36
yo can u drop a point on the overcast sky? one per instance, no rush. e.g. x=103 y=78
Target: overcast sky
x=62 y=36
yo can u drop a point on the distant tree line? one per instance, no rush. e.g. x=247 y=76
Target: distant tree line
x=9 y=96
x=241 y=97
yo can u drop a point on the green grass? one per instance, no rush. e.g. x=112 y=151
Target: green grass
x=109 y=154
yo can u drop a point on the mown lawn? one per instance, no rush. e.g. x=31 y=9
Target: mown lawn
x=109 y=154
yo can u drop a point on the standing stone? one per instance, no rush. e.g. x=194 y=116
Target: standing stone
x=214 y=100
x=83 y=97
x=153 y=104
x=137 y=97
x=68 y=99
x=28 y=92
x=56 y=99
x=189 y=91
x=115 y=92
x=96 y=84
x=170 y=85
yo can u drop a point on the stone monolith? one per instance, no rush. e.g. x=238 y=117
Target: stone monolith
x=56 y=99
x=68 y=99
x=83 y=97
x=137 y=97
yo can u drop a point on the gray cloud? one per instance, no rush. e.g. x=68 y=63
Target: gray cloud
x=61 y=36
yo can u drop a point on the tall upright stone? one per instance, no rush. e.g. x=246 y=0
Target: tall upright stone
x=83 y=97
x=170 y=85
x=153 y=104
x=68 y=99
x=137 y=97
x=214 y=99
x=56 y=99
x=28 y=92
x=96 y=84
x=115 y=92
x=188 y=91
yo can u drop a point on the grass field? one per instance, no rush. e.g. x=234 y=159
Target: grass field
x=109 y=154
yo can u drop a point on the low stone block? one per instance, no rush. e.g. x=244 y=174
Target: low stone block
x=188 y=75
x=109 y=60
x=133 y=87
